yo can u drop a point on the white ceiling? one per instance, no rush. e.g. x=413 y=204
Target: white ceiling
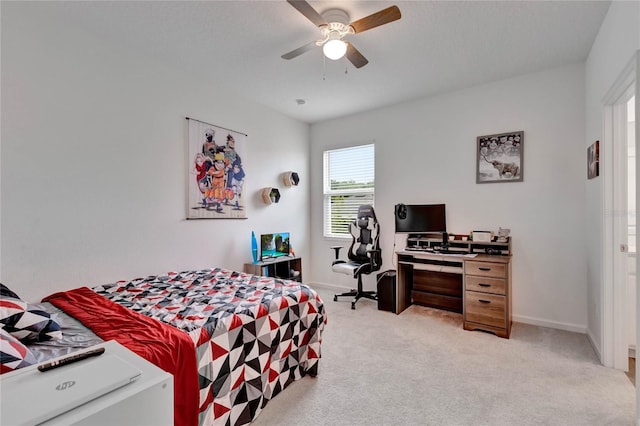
x=437 y=46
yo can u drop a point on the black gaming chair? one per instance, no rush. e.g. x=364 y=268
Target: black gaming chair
x=364 y=254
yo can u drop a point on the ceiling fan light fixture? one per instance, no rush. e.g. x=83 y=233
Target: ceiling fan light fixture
x=334 y=49
x=334 y=25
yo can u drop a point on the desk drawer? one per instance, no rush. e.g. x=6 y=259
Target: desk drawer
x=487 y=285
x=485 y=308
x=485 y=269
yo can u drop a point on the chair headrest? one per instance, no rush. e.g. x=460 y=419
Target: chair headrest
x=366 y=211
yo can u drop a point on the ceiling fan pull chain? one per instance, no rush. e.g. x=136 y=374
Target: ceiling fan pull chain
x=324 y=68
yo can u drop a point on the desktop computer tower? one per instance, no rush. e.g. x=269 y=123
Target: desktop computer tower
x=387 y=291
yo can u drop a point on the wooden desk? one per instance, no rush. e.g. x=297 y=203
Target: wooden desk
x=476 y=285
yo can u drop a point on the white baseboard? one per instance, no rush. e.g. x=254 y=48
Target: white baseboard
x=550 y=324
x=594 y=345
x=334 y=287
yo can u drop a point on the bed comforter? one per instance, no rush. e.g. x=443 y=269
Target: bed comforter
x=236 y=339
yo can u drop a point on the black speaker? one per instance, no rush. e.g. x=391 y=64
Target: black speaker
x=387 y=291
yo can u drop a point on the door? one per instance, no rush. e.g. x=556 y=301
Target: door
x=618 y=311
x=631 y=227
x=630 y=245
x=624 y=227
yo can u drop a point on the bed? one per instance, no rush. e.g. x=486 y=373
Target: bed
x=233 y=341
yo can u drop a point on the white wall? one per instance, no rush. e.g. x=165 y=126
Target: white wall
x=94 y=164
x=614 y=47
x=425 y=153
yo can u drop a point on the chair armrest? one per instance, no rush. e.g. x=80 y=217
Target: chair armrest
x=337 y=250
x=372 y=258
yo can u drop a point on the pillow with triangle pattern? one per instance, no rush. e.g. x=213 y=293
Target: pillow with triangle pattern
x=25 y=322
x=13 y=353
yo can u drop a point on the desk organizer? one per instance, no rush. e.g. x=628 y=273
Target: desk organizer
x=434 y=243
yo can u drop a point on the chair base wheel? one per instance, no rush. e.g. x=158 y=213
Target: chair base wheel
x=357 y=295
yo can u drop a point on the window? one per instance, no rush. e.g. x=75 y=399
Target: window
x=348 y=183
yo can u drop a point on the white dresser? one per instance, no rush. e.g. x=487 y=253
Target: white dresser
x=148 y=400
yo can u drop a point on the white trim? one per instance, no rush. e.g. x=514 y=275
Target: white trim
x=328 y=286
x=637 y=81
x=613 y=306
x=345 y=167
x=622 y=83
x=620 y=260
x=606 y=163
x=576 y=328
x=594 y=344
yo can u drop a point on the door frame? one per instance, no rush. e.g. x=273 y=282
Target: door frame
x=615 y=345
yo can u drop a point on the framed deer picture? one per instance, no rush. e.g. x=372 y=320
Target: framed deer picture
x=500 y=157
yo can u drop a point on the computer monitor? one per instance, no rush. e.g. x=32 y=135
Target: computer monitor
x=415 y=218
x=274 y=245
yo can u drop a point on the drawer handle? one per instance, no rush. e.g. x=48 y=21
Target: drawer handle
x=485 y=269
x=484 y=285
x=484 y=301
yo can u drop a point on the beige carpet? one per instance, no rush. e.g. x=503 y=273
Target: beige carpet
x=422 y=368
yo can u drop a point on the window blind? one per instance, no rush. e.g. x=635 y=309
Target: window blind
x=349 y=181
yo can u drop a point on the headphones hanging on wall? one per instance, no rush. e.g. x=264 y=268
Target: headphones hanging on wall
x=401 y=211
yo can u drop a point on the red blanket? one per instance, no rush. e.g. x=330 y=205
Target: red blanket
x=163 y=345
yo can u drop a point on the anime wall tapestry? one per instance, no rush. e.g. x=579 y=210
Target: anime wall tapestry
x=216 y=178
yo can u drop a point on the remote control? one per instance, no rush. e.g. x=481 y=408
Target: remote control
x=70 y=359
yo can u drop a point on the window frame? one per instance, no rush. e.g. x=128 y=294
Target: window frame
x=327 y=193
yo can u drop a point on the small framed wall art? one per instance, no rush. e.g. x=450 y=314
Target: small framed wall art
x=500 y=157
x=593 y=160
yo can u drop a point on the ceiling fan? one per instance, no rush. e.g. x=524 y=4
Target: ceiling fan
x=334 y=27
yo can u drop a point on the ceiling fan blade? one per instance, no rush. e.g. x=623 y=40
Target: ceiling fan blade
x=382 y=17
x=355 y=57
x=309 y=12
x=299 y=51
